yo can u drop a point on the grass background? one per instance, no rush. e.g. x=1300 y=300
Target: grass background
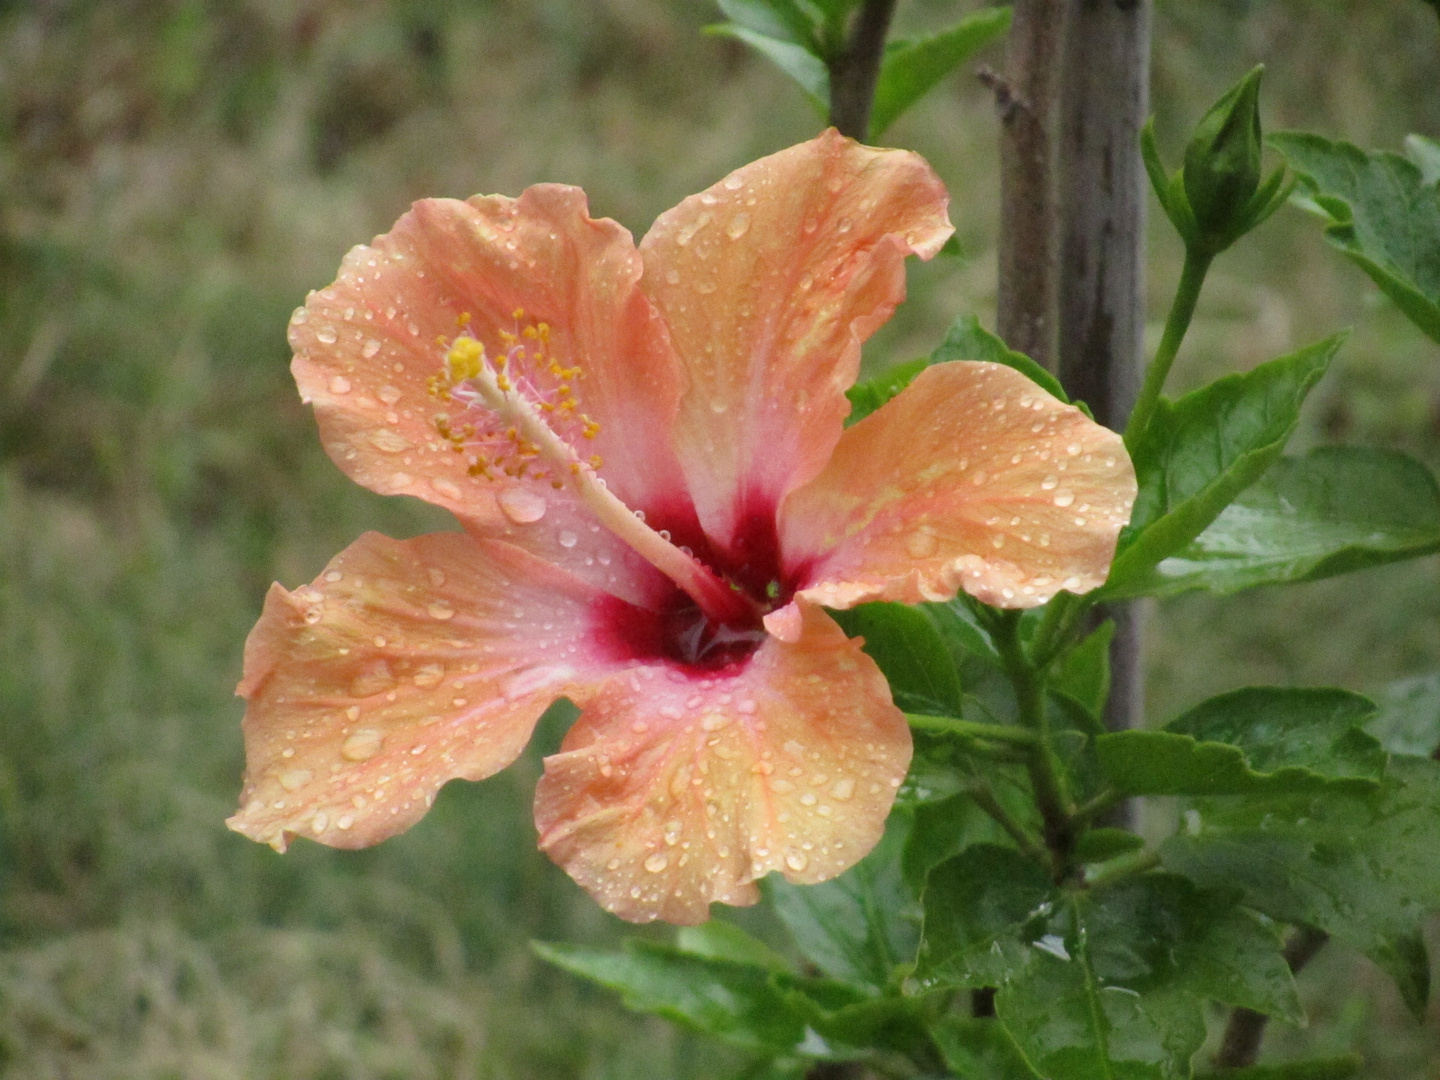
x=174 y=175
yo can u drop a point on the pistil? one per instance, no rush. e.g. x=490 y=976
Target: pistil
x=722 y=603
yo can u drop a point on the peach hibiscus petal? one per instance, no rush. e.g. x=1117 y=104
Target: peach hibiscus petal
x=769 y=282
x=405 y=664
x=672 y=792
x=369 y=348
x=972 y=477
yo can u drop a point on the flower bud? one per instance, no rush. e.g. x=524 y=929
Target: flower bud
x=1222 y=162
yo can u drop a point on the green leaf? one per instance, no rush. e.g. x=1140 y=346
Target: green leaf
x=866 y=397
x=968 y=340
x=1409 y=718
x=942 y=829
x=910 y=653
x=1197 y=454
x=1331 y=1068
x=1117 y=985
x=1105 y=983
x=911 y=69
x=1258 y=740
x=1085 y=673
x=1384 y=216
x=861 y=926
x=718 y=940
x=1335 y=510
x=794 y=60
x=960 y=629
x=740 y=1003
x=983 y=909
x=784 y=20
x=1362 y=868
x=981 y=1049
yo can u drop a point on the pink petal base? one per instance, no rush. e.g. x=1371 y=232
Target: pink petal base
x=675 y=790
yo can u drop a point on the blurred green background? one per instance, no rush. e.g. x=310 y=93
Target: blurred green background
x=174 y=176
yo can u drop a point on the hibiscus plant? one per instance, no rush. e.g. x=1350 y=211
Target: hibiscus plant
x=845 y=647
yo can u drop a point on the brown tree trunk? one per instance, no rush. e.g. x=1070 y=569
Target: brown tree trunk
x=1104 y=103
x=1027 y=99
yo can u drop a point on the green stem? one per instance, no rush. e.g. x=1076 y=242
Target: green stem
x=1045 y=776
x=1192 y=277
x=984 y=798
x=970 y=729
x=1057 y=624
x=1125 y=866
x=1098 y=805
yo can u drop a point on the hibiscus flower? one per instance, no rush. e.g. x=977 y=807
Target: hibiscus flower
x=646 y=451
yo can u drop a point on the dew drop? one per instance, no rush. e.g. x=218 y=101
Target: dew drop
x=1050 y=483
x=843 y=788
x=339 y=385
x=673 y=277
x=1064 y=497
x=448 y=488
x=389 y=441
x=371 y=348
x=521 y=505
x=388 y=394
x=440 y=610
x=321 y=822
x=429 y=675
x=326 y=335
x=295 y=778
x=796 y=861
x=920 y=543
x=733 y=183
x=738 y=227
x=657 y=862
x=362 y=745
x=568 y=539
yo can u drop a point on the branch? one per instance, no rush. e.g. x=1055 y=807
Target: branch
x=854 y=71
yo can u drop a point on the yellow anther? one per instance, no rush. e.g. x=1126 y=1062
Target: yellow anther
x=530 y=332
x=575 y=467
x=544 y=331
x=545 y=406
x=502 y=382
x=592 y=428
x=557 y=484
x=563 y=390
x=518 y=314
x=556 y=370
x=463 y=319
x=465 y=358
x=566 y=406
x=596 y=461
x=507 y=337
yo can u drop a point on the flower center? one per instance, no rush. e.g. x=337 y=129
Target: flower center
x=515 y=409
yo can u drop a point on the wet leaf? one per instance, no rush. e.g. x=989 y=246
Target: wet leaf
x=968 y=340
x=719 y=940
x=865 y=397
x=736 y=1002
x=783 y=33
x=1335 y=510
x=909 y=651
x=911 y=69
x=981 y=1049
x=1257 y=740
x=1384 y=216
x=1085 y=673
x=1198 y=453
x=861 y=926
x=1361 y=867
x=942 y=829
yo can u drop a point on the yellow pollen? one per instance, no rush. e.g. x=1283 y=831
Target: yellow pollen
x=463 y=319
x=507 y=337
x=502 y=382
x=596 y=461
x=518 y=314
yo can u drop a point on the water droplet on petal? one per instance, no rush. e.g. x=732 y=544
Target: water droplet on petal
x=920 y=544
x=843 y=788
x=326 y=335
x=440 y=610
x=796 y=861
x=738 y=227
x=657 y=862
x=733 y=183
x=568 y=539
x=339 y=385
x=362 y=745
x=1064 y=497
x=521 y=505
x=389 y=441
x=371 y=348
x=1050 y=483
x=388 y=394
x=429 y=675
x=295 y=778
